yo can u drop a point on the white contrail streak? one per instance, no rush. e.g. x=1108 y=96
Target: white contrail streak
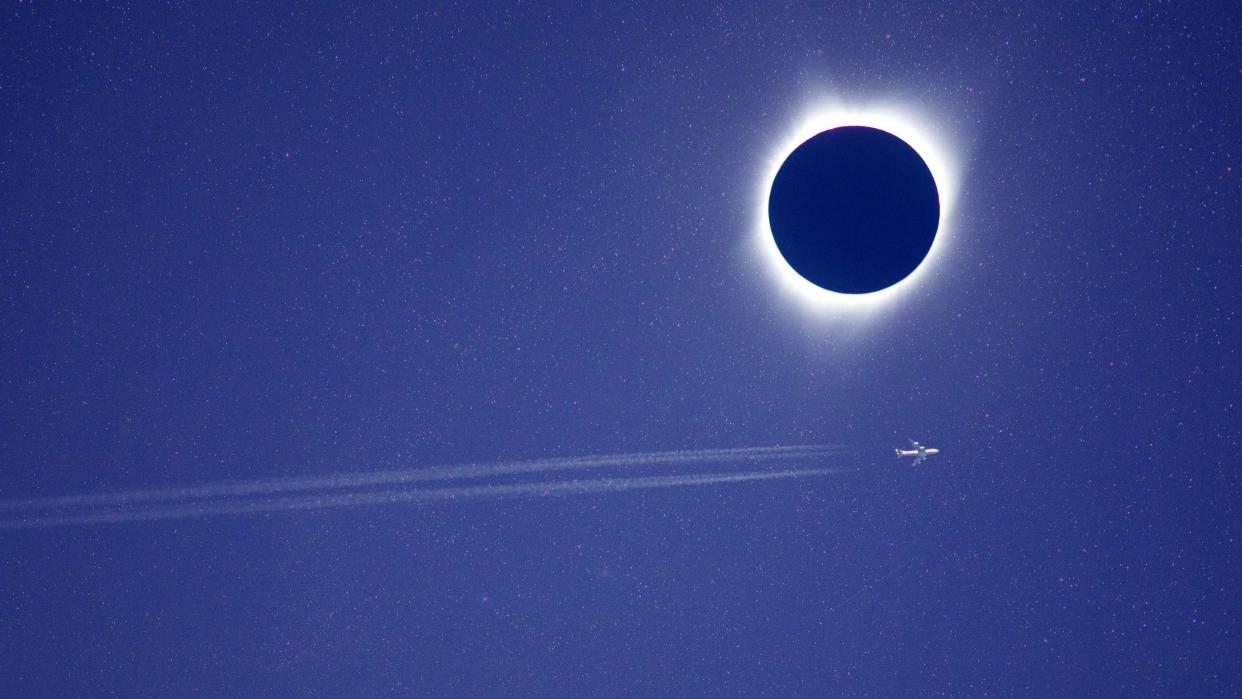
x=341 y=481
x=388 y=497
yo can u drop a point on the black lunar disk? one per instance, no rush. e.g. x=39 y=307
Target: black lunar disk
x=854 y=209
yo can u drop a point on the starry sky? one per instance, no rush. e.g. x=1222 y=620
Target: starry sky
x=255 y=240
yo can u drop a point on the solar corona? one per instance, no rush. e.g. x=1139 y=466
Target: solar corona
x=853 y=209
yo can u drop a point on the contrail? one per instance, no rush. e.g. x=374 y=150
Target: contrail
x=387 y=497
x=343 y=481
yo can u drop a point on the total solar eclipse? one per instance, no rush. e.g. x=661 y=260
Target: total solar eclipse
x=854 y=209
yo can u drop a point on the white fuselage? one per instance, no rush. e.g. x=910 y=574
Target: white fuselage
x=916 y=452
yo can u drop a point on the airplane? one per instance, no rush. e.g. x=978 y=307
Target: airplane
x=919 y=452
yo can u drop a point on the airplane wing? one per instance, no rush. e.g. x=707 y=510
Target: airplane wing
x=914 y=444
x=919 y=459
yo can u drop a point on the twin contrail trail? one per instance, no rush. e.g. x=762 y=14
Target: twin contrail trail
x=401 y=486
x=388 y=497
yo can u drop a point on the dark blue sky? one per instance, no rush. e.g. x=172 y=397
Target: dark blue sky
x=258 y=240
